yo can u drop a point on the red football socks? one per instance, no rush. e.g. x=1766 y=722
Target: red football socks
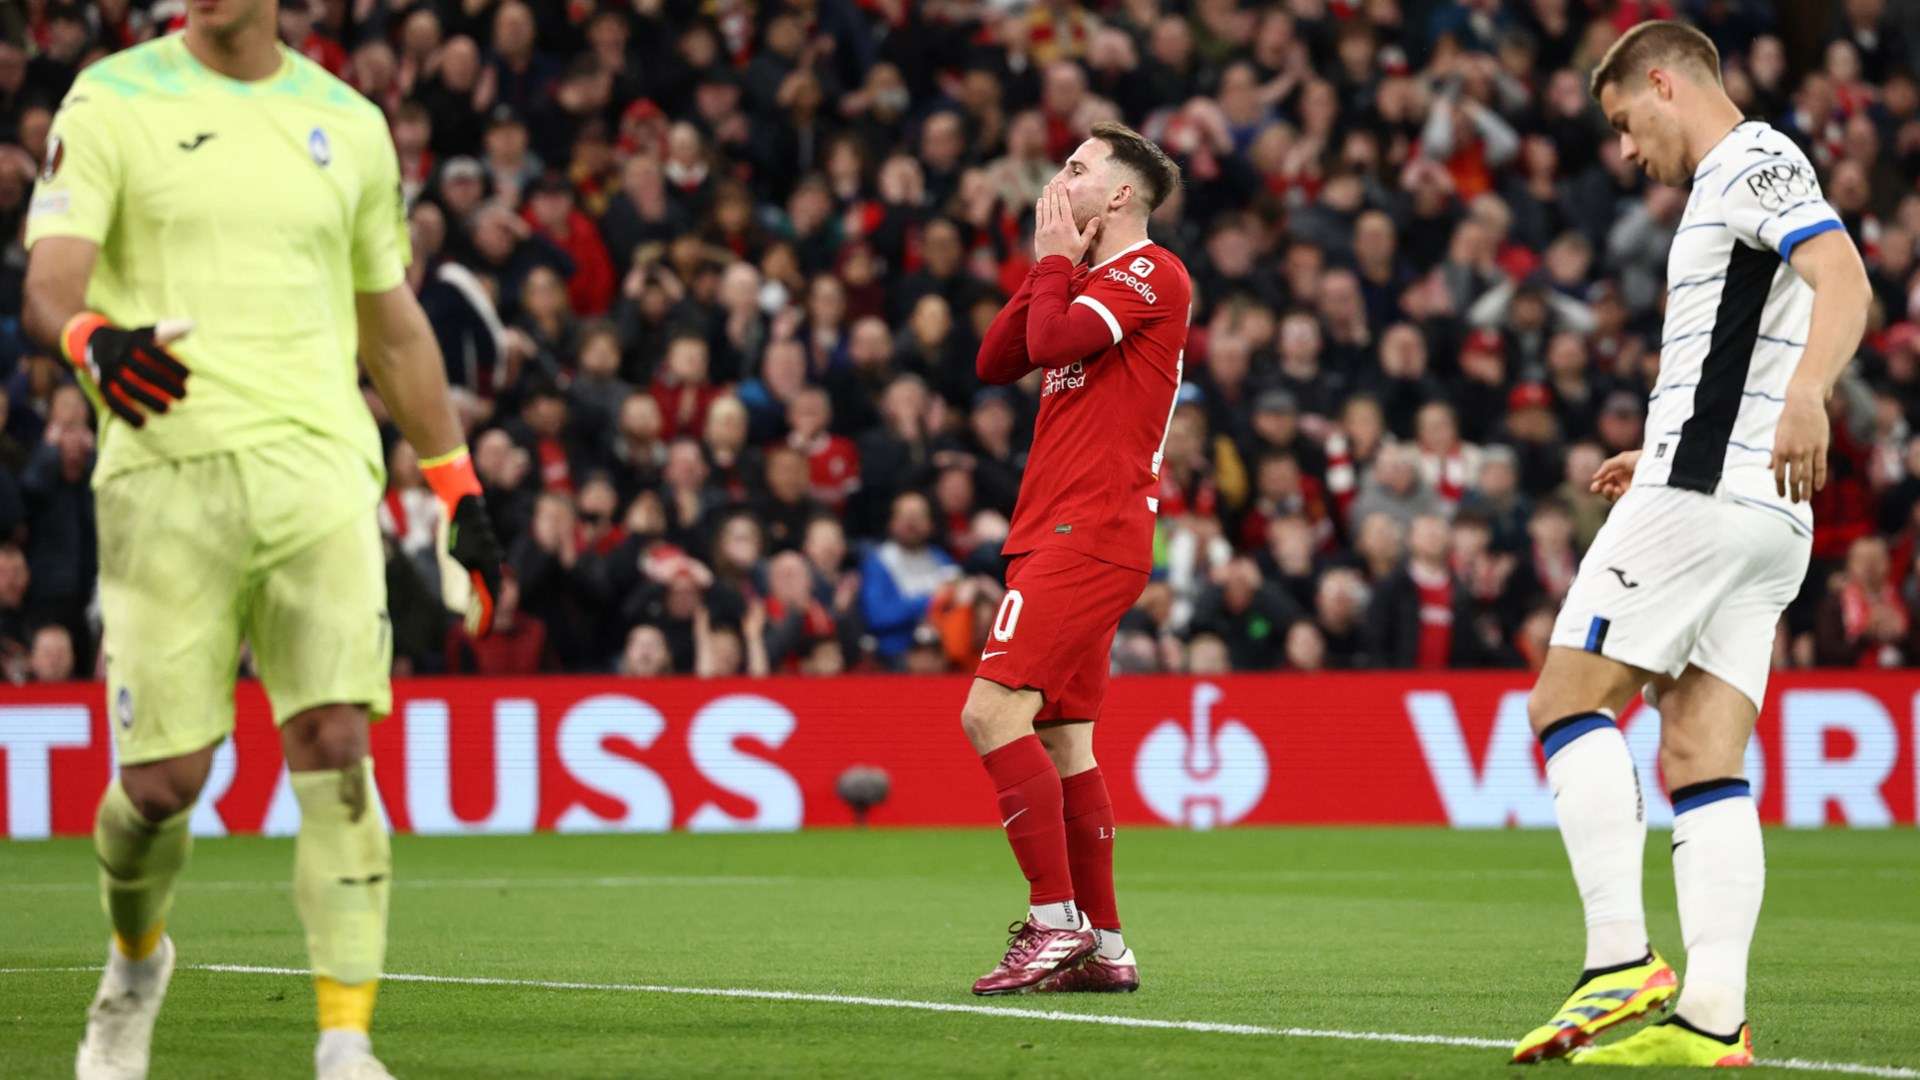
x=1030 y=811
x=1089 y=814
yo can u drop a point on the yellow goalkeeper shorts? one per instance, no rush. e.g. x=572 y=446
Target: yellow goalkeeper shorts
x=275 y=546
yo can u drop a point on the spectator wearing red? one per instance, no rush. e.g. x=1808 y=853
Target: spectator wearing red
x=833 y=462
x=297 y=30
x=796 y=619
x=543 y=424
x=1420 y=616
x=682 y=389
x=1862 y=621
x=551 y=212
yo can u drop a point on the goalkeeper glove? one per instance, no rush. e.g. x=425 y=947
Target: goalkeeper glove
x=470 y=559
x=131 y=369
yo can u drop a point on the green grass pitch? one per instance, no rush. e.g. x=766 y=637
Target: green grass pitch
x=1408 y=931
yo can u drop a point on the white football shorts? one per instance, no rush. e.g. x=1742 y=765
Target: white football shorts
x=1678 y=578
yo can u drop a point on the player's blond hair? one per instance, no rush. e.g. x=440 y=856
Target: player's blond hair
x=1655 y=44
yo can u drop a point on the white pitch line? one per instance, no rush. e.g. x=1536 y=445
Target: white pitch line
x=639 y=882
x=1893 y=1072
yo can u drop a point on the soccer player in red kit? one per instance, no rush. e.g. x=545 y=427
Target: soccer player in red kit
x=1104 y=314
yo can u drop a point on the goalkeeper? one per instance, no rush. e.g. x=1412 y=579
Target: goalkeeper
x=217 y=231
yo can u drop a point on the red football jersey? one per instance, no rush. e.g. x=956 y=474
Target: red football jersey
x=1112 y=339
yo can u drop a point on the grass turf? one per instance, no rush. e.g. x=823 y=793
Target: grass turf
x=1390 y=930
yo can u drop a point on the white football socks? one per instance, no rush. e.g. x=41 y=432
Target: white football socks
x=1064 y=915
x=340 y=1044
x=1719 y=874
x=1112 y=946
x=1596 y=796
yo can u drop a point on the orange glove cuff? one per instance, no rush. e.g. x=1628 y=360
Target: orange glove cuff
x=74 y=335
x=451 y=476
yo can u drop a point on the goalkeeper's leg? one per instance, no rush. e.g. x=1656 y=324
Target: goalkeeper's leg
x=141 y=840
x=341 y=873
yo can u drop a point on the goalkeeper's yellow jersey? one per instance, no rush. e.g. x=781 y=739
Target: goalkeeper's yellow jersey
x=256 y=209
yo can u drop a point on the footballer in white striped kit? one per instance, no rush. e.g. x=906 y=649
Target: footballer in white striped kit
x=1707 y=544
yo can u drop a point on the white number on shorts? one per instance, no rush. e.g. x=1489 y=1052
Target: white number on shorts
x=1009 y=616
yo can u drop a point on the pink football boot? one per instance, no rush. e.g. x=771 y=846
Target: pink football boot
x=1035 y=952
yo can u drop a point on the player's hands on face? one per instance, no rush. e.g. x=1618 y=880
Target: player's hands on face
x=1800 y=446
x=1053 y=229
x=1615 y=475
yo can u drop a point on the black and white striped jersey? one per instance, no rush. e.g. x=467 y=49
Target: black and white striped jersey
x=1737 y=318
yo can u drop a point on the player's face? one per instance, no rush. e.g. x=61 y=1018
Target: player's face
x=1649 y=131
x=226 y=16
x=1089 y=184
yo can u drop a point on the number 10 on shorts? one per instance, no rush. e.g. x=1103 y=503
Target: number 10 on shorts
x=1009 y=616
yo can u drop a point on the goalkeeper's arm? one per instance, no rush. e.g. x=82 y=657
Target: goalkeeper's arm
x=398 y=350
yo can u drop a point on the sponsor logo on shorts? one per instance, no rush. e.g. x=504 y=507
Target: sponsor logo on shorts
x=123 y=708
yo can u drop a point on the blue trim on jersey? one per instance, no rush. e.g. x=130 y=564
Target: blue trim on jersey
x=1738 y=445
x=1781 y=341
x=1701 y=225
x=1768 y=160
x=1702 y=176
x=1806 y=232
x=1562 y=732
x=1682 y=337
x=1688 y=284
x=1762 y=394
x=1758 y=505
x=1695 y=796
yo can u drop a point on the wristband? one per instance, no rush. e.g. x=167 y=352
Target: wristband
x=74 y=335
x=451 y=476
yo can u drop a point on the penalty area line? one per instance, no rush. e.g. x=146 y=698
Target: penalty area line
x=1892 y=1072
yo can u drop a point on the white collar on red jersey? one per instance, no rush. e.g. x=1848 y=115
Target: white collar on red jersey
x=1128 y=250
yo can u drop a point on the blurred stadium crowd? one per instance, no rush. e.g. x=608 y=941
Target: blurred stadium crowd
x=709 y=278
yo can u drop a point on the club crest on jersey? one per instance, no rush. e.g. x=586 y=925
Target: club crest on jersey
x=320 y=148
x=1071 y=377
x=56 y=155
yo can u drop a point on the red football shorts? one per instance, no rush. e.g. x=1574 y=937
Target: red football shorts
x=1054 y=630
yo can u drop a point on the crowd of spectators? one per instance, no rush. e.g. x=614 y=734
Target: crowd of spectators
x=709 y=278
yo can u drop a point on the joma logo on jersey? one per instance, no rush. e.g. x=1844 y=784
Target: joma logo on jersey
x=1776 y=186
x=1130 y=281
x=1071 y=377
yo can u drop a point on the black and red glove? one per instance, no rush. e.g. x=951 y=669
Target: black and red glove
x=135 y=374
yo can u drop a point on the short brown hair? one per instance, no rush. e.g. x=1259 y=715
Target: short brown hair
x=1652 y=44
x=1158 y=174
